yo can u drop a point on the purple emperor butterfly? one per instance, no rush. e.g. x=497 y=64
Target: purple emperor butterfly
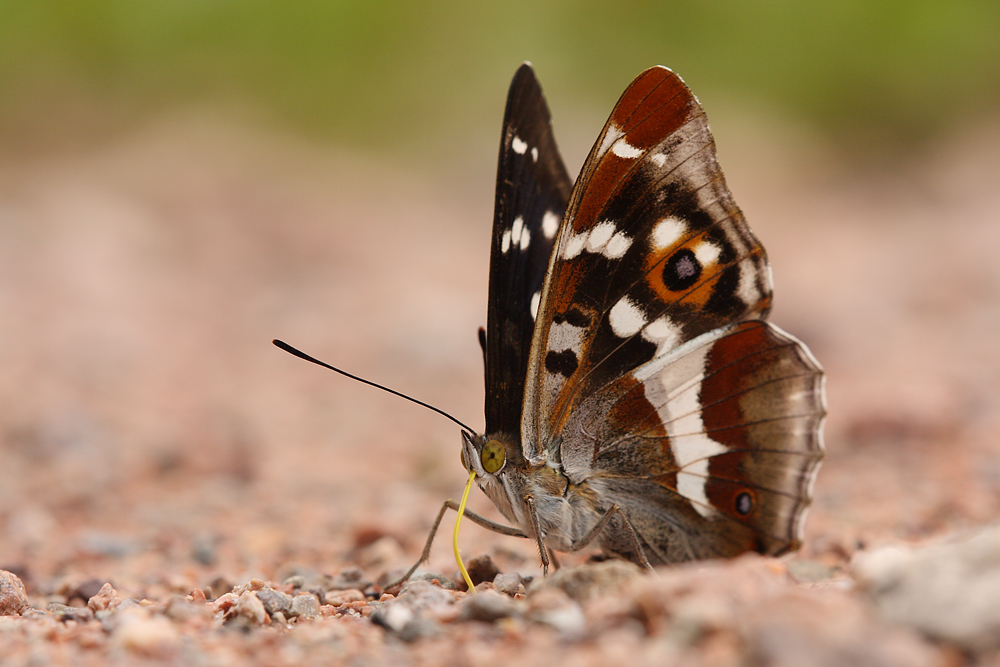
x=636 y=398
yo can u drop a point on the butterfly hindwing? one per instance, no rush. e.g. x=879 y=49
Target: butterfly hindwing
x=532 y=192
x=712 y=448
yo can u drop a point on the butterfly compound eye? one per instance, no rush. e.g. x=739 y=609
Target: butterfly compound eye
x=493 y=456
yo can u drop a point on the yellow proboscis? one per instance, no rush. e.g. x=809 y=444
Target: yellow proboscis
x=454 y=539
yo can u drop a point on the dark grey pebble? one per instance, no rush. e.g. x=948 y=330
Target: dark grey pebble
x=275 y=601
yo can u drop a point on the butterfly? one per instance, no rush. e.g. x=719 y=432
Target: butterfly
x=636 y=397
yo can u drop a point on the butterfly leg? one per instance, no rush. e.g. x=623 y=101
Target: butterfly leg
x=475 y=518
x=603 y=523
x=536 y=528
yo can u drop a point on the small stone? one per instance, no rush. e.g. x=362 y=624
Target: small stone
x=295 y=581
x=488 y=606
x=809 y=571
x=106 y=599
x=553 y=607
x=948 y=590
x=13 y=597
x=482 y=568
x=251 y=608
x=305 y=606
x=140 y=632
x=509 y=583
x=592 y=580
x=393 y=617
x=349 y=578
x=419 y=628
x=442 y=581
x=181 y=609
x=64 y=613
x=275 y=602
x=320 y=595
x=339 y=598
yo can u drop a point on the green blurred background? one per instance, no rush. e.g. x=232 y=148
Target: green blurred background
x=874 y=77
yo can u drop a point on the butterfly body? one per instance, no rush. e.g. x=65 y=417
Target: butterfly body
x=636 y=396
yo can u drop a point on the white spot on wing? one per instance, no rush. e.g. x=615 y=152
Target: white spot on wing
x=518 y=145
x=706 y=253
x=599 y=235
x=574 y=245
x=550 y=224
x=662 y=332
x=624 y=149
x=535 y=298
x=534 y=155
x=505 y=242
x=525 y=238
x=626 y=318
x=747 y=288
x=667 y=232
x=673 y=384
x=659 y=158
x=564 y=336
x=515 y=230
x=613 y=134
x=617 y=246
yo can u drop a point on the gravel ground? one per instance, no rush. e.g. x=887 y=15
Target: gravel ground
x=175 y=490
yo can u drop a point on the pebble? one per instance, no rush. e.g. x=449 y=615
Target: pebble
x=13 y=598
x=305 y=606
x=347 y=579
x=275 y=602
x=342 y=597
x=106 y=599
x=509 y=583
x=65 y=613
x=948 y=591
x=140 y=632
x=592 y=580
x=181 y=609
x=488 y=606
x=251 y=608
x=442 y=581
x=553 y=607
x=411 y=615
x=482 y=568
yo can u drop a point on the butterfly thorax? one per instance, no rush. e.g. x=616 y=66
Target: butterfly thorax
x=565 y=511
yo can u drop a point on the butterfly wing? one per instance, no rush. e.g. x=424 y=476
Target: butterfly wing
x=652 y=252
x=532 y=191
x=656 y=279
x=712 y=448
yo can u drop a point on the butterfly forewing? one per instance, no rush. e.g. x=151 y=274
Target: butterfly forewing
x=652 y=253
x=532 y=192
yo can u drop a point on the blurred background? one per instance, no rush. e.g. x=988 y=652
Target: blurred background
x=181 y=182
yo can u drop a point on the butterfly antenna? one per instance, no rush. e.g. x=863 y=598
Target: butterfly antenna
x=302 y=355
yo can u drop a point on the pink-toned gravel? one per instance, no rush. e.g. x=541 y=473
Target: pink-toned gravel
x=175 y=490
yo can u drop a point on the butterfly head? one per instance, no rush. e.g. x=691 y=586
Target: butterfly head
x=488 y=457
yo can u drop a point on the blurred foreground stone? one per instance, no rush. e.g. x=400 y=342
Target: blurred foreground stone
x=949 y=591
x=13 y=598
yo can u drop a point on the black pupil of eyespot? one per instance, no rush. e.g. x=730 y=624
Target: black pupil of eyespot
x=682 y=270
x=743 y=503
